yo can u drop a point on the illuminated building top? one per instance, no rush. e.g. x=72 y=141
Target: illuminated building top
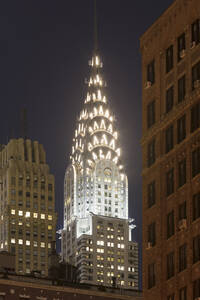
x=95 y=181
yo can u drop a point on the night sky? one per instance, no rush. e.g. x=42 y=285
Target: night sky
x=44 y=51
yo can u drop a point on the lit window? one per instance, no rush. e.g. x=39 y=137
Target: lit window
x=42 y=245
x=50 y=217
x=13 y=241
x=35 y=215
x=49 y=227
x=28 y=243
x=20 y=223
x=20 y=242
x=49 y=245
x=100 y=250
x=28 y=214
x=20 y=213
x=43 y=216
x=12 y=211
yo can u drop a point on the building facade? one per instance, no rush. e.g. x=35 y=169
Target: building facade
x=170 y=51
x=97 y=231
x=27 y=210
x=26 y=287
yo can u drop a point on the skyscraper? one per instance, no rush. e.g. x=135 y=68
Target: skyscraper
x=97 y=231
x=27 y=205
x=171 y=154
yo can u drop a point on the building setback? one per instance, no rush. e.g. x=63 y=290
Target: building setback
x=27 y=205
x=171 y=154
x=97 y=231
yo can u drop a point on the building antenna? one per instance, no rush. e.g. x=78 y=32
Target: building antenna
x=95 y=27
x=24 y=123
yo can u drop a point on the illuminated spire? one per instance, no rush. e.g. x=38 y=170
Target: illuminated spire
x=95 y=28
x=95 y=136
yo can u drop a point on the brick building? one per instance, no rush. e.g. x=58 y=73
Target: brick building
x=170 y=51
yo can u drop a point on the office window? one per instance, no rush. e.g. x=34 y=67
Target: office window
x=169 y=139
x=182 y=172
x=151 y=72
x=181 y=89
x=170 y=265
x=195 y=32
x=151 y=194
x=195 y=117
x=181 y=129
x=196 y=76
x=182 y=211
x=196 y=206
x=150 y=114
x=151 y=153
x=171 y=297
x=181 y=46
x=170 y=182
x=170 y=224
x=196 y=249
x=196 y=289
x=183 y=293
x=196 y=162
x=151 y=276
x=182 y=257
x=152 y=234
x=169 y=99
x=169 y=59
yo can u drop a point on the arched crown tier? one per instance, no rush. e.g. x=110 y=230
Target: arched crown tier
x=95 y=137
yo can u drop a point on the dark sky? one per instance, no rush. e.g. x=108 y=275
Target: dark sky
x=44 y=51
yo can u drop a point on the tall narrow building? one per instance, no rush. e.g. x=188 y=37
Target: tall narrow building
x=97 y=231
x=27 y=205
x=171 y=154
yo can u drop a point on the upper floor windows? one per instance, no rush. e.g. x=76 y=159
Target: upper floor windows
x=196 y=289
x=169 y=59
x=152 y=234
x=196 y=76
x=182 y=257
x=181 y=89
x=182 y=172
x=196 y=249
x=150 y=114
x=183 y=293
x=196 y=206
x=151 y=275
x=151 y=194
x=196 y=162
x=169 y=99
x=169 y=139
x=195 y=32
x=181 y=46
x=182 y=211
x=170 y=182
x=195 y=117
x=151 y=156
x=170 y=265
x=181 y=129
x=170 y=224
x=151 y=72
